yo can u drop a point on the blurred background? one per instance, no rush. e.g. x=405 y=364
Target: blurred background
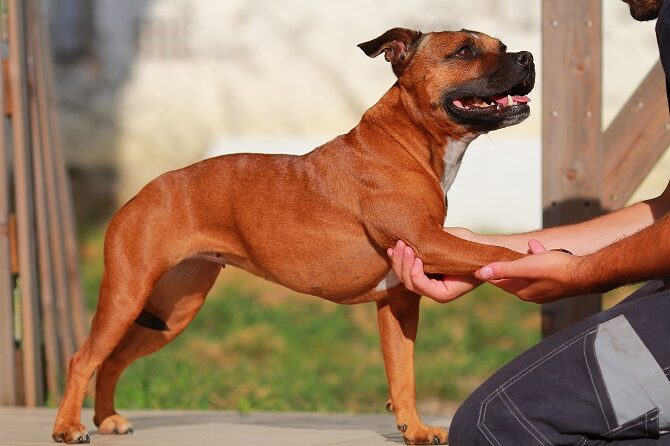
x=146 y=86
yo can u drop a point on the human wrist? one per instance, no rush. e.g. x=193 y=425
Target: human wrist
x=587 y=274
x=515 y=242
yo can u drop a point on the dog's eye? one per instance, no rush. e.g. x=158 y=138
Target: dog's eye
x=464 y=52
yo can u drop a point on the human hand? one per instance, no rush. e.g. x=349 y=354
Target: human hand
x=409 y=269
x=543 y=277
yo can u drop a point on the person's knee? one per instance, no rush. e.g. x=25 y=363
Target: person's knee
x=481 y=421
x=463 y=430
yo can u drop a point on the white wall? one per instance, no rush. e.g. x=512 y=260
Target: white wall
x=285 y=75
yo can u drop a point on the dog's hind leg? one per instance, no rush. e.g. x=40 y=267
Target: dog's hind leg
x=139 y=248
x=398 y=318
x=173 y=303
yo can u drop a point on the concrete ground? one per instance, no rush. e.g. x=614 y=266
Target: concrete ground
x=165 y=428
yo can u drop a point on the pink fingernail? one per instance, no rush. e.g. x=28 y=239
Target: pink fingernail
x=486 y=272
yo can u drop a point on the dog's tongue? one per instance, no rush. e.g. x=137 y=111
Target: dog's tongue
x=504 y=100
x=457 y=103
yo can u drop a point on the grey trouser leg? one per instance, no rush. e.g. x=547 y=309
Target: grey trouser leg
x=602 y=381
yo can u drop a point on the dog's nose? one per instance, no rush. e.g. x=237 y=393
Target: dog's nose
x=524 y=58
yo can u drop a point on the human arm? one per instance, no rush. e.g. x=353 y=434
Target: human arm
x=586 y=237
x=582 y=238
x=548 y=276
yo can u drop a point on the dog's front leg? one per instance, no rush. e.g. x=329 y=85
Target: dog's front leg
x=443 y=253
x=398 y=318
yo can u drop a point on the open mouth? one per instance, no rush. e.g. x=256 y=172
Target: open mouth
x=492 y=104
x=497 y=109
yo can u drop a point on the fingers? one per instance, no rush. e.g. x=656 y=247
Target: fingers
x=518 y=287
x=456 y=287
x=525 y=267
x=409 y=270
x=490 y=272
x=402 y=262
x=536 y=247
x=396 y=255
x=441 y=291
x=408 y=265
x=420 y=283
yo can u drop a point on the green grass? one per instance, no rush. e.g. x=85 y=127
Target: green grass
x=257 y=346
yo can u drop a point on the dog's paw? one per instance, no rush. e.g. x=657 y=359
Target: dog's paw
x=71 y=434
x=115 y=425
x=424 y=434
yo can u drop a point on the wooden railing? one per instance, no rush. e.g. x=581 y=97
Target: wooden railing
x=42 y=314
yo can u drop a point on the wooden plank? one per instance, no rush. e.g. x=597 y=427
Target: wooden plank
x=571 y=137
x=77 y=304
x=30 y=336
x=7 y=363
x=6 y=92
x=46 y=281
x=53 y=364
x=66 y=336
x=13 y=244
x=636 y=139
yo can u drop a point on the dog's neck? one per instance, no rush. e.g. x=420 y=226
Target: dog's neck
x=453 y=155
x=437 y=147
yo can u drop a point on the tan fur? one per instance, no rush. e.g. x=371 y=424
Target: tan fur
x=318 y=224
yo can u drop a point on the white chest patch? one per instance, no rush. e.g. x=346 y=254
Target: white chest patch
x=453 y=155
x=389 y=281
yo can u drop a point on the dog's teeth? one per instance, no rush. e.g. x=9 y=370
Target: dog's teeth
x=510 y=101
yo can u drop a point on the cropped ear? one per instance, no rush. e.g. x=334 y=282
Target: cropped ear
x=398 y=45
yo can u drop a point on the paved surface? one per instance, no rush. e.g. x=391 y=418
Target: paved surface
x=33 y=427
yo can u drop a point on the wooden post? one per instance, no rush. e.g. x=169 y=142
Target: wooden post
x=7 y=349
x=572 y=138
x=30 y=340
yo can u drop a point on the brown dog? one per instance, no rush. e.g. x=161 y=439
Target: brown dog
x=319 y=224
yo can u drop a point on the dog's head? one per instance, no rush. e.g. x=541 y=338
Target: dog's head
x=464 y=78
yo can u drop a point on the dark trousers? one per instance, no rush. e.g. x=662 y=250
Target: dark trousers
x=602 y=381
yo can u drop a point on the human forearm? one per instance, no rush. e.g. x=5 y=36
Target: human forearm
x=546 y=276
x=592 y=235
x=581 y=238
x=644 y=255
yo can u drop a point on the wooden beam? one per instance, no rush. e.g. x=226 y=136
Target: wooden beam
x=30 y=336
x=636 y=139
x=7 y=363
x=571 y=137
